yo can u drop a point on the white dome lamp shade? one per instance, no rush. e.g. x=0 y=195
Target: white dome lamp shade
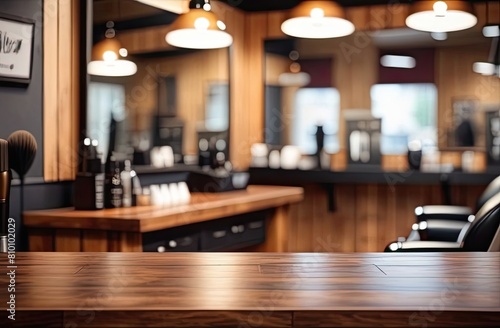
x=106 y=60
x=441 y=16
x=199 y=29
x=312 y=19
x=492 y=66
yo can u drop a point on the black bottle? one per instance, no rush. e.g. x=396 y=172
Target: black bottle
x=113 y=189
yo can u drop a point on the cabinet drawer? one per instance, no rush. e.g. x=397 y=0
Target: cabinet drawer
x=171 y=240
x=216 y=238
x=233 y=233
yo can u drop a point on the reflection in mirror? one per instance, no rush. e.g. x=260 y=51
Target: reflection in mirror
x=175 y=96
x=348 y=73
x=301 y=99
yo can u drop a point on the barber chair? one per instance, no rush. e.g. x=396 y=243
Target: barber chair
x=445 y=222
x=480 y=234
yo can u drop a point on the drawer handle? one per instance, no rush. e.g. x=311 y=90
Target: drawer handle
x=238 y=229
x=255 y=224
x=219 y=234
x=161 y=249
x=172 y=244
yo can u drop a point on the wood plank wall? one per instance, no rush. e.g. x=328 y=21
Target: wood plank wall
x=61 y=88
x=367 y=216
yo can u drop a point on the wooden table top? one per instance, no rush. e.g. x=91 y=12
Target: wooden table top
x=203 y=206
x=272 y=289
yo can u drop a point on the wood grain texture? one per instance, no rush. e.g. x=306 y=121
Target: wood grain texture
x=203 y=206
x=180 y=319
x=41 y=240
x=256 y=289
x=50 y=90
x=366 y=218
x=67 y=240
x=94 y=241
x=61 y=88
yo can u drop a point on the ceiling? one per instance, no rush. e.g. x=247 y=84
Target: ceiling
x=270 y=5
x=131 y=14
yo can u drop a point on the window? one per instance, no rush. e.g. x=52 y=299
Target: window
x=105 y=100
x=217 y=110
x=408 y=112
x=314 y=107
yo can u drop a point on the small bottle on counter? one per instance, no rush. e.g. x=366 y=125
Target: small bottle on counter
x=89 y=183
x=126 y=179
x=113 y=189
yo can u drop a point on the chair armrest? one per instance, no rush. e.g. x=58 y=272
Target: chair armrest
x=442 y=212
x=439 y=230
x=423 y=246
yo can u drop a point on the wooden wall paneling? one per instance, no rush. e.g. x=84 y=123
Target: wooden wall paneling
x=130 y=242
x=343 y=217
x=73 y=157
x=255 y=30
x=292 y=226
x=113 y=241
x=359 y=16
x=94 y=241
x=322 y=224
x=50 y=90
x=41 y=240
x=380 y=18
x=65 y=102
x=366 y=217
x=238 y=81
x=61 y=89
x=398 y=13
x=68 y=240
x=274 y=20
x=305 y=219
x=386 y=220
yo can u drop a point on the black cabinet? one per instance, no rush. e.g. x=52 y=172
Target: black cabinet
x=226 y=234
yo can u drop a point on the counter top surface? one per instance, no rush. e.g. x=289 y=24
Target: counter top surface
x=280 y=284
x=376 y=176
x=203 y=206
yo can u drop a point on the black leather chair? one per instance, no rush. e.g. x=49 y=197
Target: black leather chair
x=445 y=222
x=481 y=234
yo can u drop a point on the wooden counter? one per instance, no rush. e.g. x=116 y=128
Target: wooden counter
x=254 y=290
x=121 y=229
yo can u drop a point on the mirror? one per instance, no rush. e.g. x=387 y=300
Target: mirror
x=176 y=95
x=334 y=76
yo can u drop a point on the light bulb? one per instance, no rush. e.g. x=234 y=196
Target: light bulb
x=201 y=23
x=123 y=52
x=109 y=56
x=317 y=13
x=440 y=8
x=221 y=25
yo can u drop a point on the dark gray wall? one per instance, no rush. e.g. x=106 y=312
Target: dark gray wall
x=21 y=108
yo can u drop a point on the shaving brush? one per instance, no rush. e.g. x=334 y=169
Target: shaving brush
x=22 y=151
x=4 y=193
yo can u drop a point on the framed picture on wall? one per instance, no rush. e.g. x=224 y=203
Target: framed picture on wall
x=464 y=131
x=16 y=48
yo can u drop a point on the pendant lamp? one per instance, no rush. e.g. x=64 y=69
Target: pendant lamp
x=492 y=66
x=199 y=29
x=441 y=16
x=314 y=19
x=106 y=56
x=294 y=78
